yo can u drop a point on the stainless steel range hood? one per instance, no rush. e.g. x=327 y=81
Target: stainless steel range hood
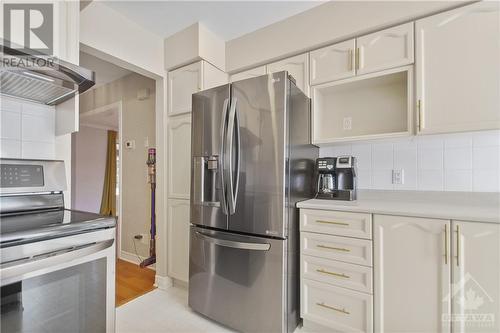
x=39 y=78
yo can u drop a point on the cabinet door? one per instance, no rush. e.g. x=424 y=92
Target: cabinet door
x=333 y=62
x=182 y=83
x=178 y=239
x=254 y=72
x=412 y=274
x=297 y=67
x=458 y=69
x=179 y=156
x=385 y=49
x=476 y=277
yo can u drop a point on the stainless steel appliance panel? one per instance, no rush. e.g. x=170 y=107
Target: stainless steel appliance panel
x=238 y=280
x=209 y=126
x=257 y=160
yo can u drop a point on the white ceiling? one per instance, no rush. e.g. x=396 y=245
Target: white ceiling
x=227 y=19
x=105 y=72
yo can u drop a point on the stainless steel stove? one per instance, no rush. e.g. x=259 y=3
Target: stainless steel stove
x=57 y=266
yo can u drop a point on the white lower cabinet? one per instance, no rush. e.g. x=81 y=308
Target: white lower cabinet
x=178 y=239
x=411 y=273
x=335 y=270
x=476 y=277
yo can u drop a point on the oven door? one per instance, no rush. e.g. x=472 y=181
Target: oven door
x=61 y=285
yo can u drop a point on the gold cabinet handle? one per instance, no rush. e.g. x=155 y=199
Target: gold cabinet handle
x=458 y=245
x=333 y=248
x=357 y=58
x=343 y=310
x=342 y=275
x=332 y=222
x=446 y=244
x=349 y=54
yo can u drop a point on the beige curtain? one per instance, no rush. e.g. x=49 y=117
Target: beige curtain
x=108 y=202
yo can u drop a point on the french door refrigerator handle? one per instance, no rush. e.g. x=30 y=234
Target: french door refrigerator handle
x=222 y=155
x=230 y=143
x=233 y=244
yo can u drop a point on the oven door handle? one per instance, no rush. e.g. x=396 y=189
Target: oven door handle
x=20 y=269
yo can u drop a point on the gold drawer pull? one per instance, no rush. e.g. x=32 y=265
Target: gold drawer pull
x=333 y=248
x=343 y=310
x=332 y=273
x=332 y=222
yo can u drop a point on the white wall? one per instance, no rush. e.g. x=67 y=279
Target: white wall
x=27 y=130
x=447 y=162
x=322 y=25
x=89 y=149
x=109 y=32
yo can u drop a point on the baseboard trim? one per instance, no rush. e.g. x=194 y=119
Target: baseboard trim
x=132 y=258
x=163 y=282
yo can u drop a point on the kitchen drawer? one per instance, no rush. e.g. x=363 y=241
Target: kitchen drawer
x=335 y=307
x=351 y=276
x=351 y=250
x=357 y=225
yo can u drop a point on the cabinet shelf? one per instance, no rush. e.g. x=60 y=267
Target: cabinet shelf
x=365 y=107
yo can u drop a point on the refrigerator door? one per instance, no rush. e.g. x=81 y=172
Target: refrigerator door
x=256 y=156
x=238 y=280
x=208 y=139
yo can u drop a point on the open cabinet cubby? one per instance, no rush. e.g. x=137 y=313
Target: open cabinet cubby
x=364 y=107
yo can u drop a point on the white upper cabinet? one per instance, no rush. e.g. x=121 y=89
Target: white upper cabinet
x=185 y=81
x=385 y=49
x=476 y=276
x=254 y=72
x=333 y=62
x=412 y=274
x=458 y=69
x=182 y=83
x=297 y=67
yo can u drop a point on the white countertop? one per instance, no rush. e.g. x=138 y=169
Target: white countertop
x=465 y=206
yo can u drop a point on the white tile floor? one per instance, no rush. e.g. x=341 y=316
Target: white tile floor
x=166 y=311
x=163 y=311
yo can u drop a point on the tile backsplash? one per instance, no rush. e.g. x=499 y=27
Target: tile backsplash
x=27 y=130
x=448 y=162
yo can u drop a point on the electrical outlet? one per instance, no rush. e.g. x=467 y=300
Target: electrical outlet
x=347 y=124
x=398 y=176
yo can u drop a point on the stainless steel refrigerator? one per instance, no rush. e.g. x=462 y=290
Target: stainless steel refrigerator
x=252 y=160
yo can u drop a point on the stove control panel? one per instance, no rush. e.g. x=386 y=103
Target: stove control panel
x=19 y=175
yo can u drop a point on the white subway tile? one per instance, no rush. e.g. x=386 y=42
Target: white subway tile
x=458 y=158
x=410 y=180
x=10 y=104
x=405 y=158
x=486 y=180
x=486 y=157
x=382 y=156
x=10 y=148
x=457 y=140
x=364 y=178
x=38 y=128
x=430 y=142
x=430 y=180
x=38 y=110
x=326 y=152
x=38 y=150
x=363 y=154
x=458 y=180
x=10 y=125
x=486 y=138
x=382 y=179
x=430 y=158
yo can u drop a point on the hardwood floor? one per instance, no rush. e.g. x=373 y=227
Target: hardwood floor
x=132 y=281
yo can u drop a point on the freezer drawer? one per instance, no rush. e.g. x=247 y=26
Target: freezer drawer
x=238 y=280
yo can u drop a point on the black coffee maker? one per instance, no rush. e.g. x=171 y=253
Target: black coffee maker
x=336 y=178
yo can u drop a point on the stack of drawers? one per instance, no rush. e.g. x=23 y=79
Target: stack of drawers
x=336 y=269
